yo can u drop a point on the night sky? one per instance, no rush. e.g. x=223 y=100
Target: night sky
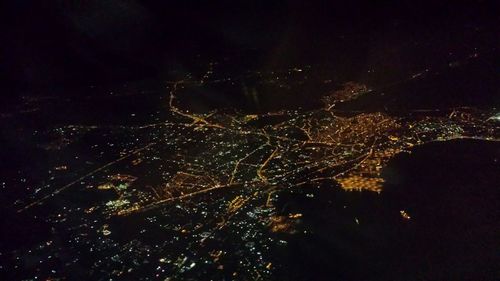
x=78 y=43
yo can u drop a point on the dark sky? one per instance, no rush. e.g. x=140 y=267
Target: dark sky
x=76 y=43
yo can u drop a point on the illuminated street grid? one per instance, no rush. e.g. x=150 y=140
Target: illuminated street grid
x=178 y=194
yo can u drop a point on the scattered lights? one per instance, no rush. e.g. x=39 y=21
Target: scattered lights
x=404 y=215
x=210 y=182
x=495 y=117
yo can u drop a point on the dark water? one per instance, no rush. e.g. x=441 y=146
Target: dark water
x=451 y=235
